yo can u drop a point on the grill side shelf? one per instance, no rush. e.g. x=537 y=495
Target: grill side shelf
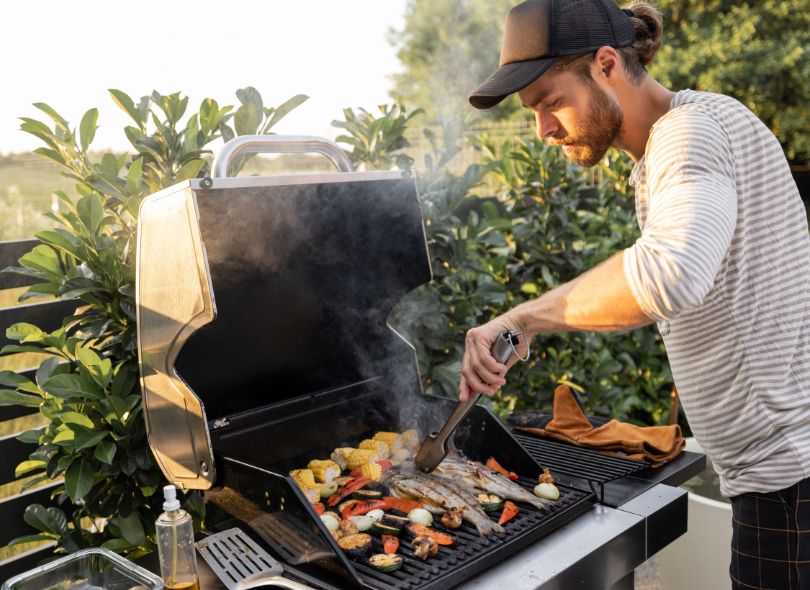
x=581 y=464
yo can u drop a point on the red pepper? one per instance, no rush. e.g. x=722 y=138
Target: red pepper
x=510 y=511
x=390 y=544
x=362 y=507
x=401 y=504
x=495 y=466
x=319 y=508
x=350 y=487
x=418 y=529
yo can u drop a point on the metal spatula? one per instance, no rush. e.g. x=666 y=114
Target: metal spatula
x=434 y=447
x=241 y=564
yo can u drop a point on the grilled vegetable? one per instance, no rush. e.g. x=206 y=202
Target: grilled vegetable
x=319 y=508
x=376 y=514
x=343 y=505
x=336 y=535
x=357 y=546
x=510 y=511
x=373 y=471
x=385 y=562
x=359 y=457
x=424 y=547
x=341 y=456
x=418 y=530
x=395 y=521
x=452 y=518
x=303 y=477
x=379 y=447
x=363 y=507
x=327 y=489
x=400 y=455
x=390 y=544
x=348 y=527
x=410 y=439
x=391 y=439
x=363 y=522
x=324 y=471
x=312 y=493
x=385 y=529
x=344 y=479
x=330 y=521
x=365 y=494
x=355 y=484
x=402 y=504
x=546 y=476
x=420 y=516
x=489 y=502
x=547 y=491
x=495 y=466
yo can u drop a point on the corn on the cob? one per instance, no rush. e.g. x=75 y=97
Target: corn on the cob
x=378 y=446
x=360 y=456
x=392 y=439
x=373 y=471
x=410 y=438
x=400 y=456
x=324 y=471
x=341 y=456
x=303 y=477
x=312 y=493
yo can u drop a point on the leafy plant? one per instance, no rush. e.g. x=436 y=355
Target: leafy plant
x=87 y=386
x=377 y=142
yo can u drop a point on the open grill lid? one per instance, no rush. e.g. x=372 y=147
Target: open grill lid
x=254 y=291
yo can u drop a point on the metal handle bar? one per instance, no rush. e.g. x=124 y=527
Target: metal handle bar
x=281 y=144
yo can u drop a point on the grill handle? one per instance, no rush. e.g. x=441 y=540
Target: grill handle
x=278 y=144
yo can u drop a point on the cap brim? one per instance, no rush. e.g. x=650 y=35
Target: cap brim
x=507 y=79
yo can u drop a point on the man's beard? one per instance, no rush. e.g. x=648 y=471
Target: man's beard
x=591 y=140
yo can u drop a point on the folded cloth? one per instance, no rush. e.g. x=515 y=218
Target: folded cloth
x=654 y=444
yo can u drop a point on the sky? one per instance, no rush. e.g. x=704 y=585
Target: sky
x=67 y=54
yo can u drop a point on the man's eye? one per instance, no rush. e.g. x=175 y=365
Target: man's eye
x=554 y=105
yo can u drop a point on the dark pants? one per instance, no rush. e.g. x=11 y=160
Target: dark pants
x=770 y=545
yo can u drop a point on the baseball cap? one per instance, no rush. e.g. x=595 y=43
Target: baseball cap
x=537 y=32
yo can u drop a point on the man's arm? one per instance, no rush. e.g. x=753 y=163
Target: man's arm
x=599 y=299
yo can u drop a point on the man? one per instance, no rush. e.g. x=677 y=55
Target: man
x=722 y=263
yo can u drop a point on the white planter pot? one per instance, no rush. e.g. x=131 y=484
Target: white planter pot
x=699 y=559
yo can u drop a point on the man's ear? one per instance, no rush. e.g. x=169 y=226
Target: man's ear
x=606 y=64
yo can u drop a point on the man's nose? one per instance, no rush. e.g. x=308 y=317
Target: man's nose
x=546 y=124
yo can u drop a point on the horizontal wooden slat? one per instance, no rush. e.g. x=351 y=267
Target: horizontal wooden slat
x=48 y=316
x=10 y=253
x=12 y=412
x=29 y=560
x=12 y=453
x=12 y=510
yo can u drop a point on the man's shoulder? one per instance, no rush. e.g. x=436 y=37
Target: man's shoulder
x=695 y=111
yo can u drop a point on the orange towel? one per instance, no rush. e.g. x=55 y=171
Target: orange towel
x=654 y=444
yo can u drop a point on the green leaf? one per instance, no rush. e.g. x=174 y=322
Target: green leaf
x=87 y=128
x=88 y=439
x=127 y=105
x=282 y=110
x=48 y=520
x=76 y=418
x=46 y=369
x=116 y=545
x=68 y=386
x=87 y=357
x=90 y=210
x=58 y=119
x=12 y=379
x=189 y=170
x=135 y=176
x=24 y=332
x=79 y=480
x=9 y=397
x=131 y=528
x=27 y=467
x=529 y=289
x=247 y=119
x=43 y=258
x=65 y=438
x=105 y=451
x=31 y=437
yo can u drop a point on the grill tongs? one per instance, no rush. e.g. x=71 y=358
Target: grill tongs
x=434 y=447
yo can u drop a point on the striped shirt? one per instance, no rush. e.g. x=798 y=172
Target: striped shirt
x=723 y=266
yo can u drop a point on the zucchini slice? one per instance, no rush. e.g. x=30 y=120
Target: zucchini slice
x=367 y=495
x=490 y=502
x=385 y=562
x=385 y=529
x=357 y=546
x=395 y=521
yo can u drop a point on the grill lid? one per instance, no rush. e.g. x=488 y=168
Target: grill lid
x=304 y=271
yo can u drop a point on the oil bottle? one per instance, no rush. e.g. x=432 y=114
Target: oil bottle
x=175 y=541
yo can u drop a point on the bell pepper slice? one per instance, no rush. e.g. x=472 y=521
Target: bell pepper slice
x=510 y=511
x=319 y=508
x=401 y=504
x=390 y=544
x=493 y=464
x=362 y=507
x=441 y=538
x=352 y=486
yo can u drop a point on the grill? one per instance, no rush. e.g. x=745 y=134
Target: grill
x=263 y=344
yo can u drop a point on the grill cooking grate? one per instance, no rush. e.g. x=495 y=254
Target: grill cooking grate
x=566 y=459
x=472 y=553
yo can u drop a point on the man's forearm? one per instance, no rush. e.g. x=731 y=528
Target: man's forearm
x=599 y=300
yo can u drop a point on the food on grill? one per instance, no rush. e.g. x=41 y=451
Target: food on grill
x=341 y=456
x=547 y=491
x=327 y=489
x=366 y=494
x=392 y=439
x=376 y=514
x=420 y=516
x=418 y=530
x=390 y=544
x=403 y=505
x=493 y=464
x=359 y=457
x=344 y=479
x=382 y=528
x=442 y=493
x=399 y=456
x=319 y=508
x=331 y=521
x=357 y=545
x=424 y=547
x=395 y=521
x=385 y=562
x=373 y=471
x=362 y=507
x=345 y=490
x=510 y=511
x=489 y=502
x=452 y=518
x=378 y=446
x=546 y=476
x=324 y=471
x=348 y=527
x=303 y=477
x=363 y=522
x=474 y=475
x=410 y=439
x=312 y=493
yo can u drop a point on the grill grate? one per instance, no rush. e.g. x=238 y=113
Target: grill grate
x=472 y=553
x=594 y=466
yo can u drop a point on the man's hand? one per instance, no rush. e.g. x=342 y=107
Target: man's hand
x=480 y=371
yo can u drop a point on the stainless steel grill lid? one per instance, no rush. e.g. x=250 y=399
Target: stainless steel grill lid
x=254 y=291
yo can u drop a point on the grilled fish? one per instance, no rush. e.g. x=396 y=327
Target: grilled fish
x=440 y=492
x=474 y=475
